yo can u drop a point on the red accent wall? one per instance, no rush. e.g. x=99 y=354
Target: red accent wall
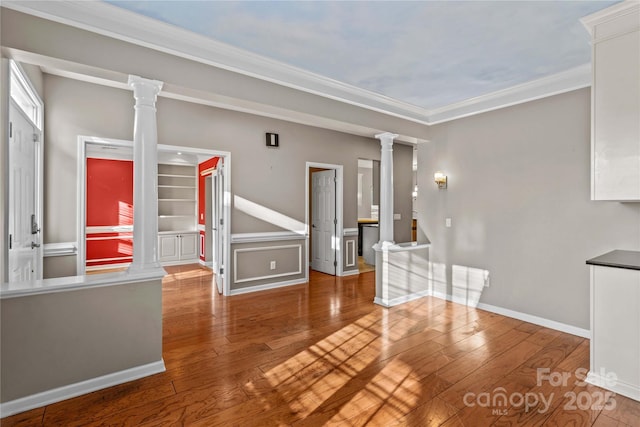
x=109 y=192
x=109 y=203
x=211 y=163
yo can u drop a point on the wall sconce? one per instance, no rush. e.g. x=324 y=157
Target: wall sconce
x=441 y=180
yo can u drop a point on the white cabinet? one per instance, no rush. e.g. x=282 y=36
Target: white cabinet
x=615 y=322
x=178 y=248
x=615 y=127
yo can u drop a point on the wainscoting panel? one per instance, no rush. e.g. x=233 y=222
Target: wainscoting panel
x=260 y=264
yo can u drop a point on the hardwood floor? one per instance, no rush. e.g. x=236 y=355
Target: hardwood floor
x=324 y=354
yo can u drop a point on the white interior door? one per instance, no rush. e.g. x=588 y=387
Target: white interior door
x=323 y=221
x=219 y=225
x=25 y=253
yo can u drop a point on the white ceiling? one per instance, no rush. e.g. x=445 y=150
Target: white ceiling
x=426 y=53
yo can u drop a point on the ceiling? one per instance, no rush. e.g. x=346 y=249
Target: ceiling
x=426 y=53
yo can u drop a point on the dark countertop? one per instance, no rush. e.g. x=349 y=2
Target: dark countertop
x=620 y=259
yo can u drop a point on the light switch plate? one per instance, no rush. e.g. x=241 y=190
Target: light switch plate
x=447 y=222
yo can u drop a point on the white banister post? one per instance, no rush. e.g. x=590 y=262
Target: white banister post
x=145 y=174
x=385 y=217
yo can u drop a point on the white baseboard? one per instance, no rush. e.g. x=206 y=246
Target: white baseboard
x=267 y=286
x=540 y=321
x=402 y=299
x=632 y=391
x=83 y=387
x=181 y=262
x=350 y=273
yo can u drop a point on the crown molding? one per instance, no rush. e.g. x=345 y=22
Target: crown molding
x=121 y=24
x=610 y=13
x=566 y=81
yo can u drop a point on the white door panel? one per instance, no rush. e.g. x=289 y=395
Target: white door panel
x=323 y=221
x=25 y=253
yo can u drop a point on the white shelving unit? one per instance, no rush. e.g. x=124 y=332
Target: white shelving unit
x=177 y=213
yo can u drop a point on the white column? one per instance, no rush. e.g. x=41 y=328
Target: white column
x=145 y=174
x=385 y=211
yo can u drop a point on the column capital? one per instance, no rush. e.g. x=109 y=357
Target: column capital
x=145 y=91
x=387 y=137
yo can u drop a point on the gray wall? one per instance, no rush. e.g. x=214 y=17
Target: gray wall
x=519 y=199
x=273 y=178
x=53 y=340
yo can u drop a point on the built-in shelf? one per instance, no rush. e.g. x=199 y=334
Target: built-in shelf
x=177 y=207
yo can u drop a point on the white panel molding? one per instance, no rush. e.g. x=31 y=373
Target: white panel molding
x=351 y=253
x=270 y=276
x=350 y=232
x=60 y=249
x=111 y=21
x=83 y=387
x=267 y=236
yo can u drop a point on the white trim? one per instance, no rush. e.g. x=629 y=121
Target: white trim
x=566 y=81
x=267 y=286
x=350 y=253
x=620 y=387
x=350 y=273
x=270 y=276
x=23 y=81
x=350 y=232
x=541 y=321
x=109 y=229
x=59 y=249
x=118 y=258
x=267 y=236
x=83 y=387
x=551 y=324
x=401 y=300
x=610 y=13
x=100 y=267
x=74 y=283
x=181 y=262
x=127 y=237
x=339 y=210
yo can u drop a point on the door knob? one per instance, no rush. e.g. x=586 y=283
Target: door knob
x=35 y=245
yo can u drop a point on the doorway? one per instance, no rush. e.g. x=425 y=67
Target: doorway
x=324 y=221
x=179 y=212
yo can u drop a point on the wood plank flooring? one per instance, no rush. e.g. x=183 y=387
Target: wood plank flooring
x=324 y=354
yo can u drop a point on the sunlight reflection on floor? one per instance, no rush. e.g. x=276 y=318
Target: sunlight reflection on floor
x=313 y=376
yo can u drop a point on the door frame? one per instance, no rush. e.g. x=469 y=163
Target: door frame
x=81 y=194
x=339 y=213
